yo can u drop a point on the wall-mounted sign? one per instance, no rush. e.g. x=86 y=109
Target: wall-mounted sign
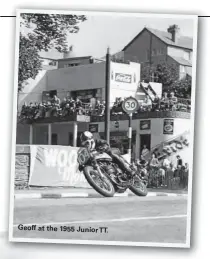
x=145 y=125
x=93 y=128
x=168 y=126
x=124 y=78
x=83 y=118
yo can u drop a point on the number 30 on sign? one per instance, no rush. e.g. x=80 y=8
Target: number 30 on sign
x=130 y=105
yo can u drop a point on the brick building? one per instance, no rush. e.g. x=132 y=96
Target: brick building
x=152 y=47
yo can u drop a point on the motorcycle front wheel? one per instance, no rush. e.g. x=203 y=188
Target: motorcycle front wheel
x=138 y=187
x=101 y=185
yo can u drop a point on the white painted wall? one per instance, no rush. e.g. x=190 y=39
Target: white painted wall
x=32 y=91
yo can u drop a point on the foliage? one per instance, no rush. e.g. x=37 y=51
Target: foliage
x=42 y=32
x=168 y=76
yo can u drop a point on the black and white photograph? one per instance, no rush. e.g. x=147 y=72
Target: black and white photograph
x=103 y=128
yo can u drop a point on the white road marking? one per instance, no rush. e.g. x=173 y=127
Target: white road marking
x=102 y=220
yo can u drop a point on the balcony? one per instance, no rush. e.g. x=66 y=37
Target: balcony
x=113 y=117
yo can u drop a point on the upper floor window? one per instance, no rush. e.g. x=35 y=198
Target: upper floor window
x=182 y=69
x=187 y=55
x=73 y=64
x=154 y=52
x=52 y=63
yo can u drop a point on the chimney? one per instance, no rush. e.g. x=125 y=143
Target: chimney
x=174 y=31
x=68 y=53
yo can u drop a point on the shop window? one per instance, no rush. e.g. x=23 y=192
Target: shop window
x=48 y=95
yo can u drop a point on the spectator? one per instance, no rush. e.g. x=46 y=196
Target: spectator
x=93 y=103
x=154 y=168
x=167 y=167
x=164 y=103
x=102 y=108
x=56 y=101
x=63 y=103
x=179 y=162
x=72 y=105
x=156 y=103
x=147 y=104
x=78 y=106
x=172 y=101
x=144 y=151
x=186 y=175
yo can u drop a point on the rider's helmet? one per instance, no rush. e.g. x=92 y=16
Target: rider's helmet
x=87 y=140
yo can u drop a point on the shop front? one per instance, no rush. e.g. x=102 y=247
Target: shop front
x=119 y=139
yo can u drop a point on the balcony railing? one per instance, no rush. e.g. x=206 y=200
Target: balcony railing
x=113 y=117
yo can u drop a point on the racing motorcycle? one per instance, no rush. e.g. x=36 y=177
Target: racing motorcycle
x=106 y=177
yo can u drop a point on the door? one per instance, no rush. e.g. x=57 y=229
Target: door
x=70 y=142
x=54 y=139
x=145 y=141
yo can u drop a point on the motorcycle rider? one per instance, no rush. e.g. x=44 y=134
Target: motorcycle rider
x=88 y=141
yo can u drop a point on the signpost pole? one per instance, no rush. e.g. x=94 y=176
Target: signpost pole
x=129 y=106
x=31 y=134
x=107 y=97
x=130 y=135
x=75 y=134
x=49 y=134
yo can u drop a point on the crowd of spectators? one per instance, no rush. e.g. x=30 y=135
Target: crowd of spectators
x=168 y=102
x=164 y=173
x=69 y=106
x=57 y=108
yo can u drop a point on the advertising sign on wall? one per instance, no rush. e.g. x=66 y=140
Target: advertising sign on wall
x=145 y=125
x=168 y=126
x=124 y=77
x=55 y=166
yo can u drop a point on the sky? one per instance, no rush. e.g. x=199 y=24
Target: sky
x=115 y=31
x=99 y=32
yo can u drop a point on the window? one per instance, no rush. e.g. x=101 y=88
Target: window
x=153 y=52
x=52 y=63
x=182 y=69
x=52 y=93
x=48 y=95
x=187 y=55
x=73 y=64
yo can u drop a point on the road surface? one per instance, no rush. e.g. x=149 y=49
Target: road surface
x=135 y=219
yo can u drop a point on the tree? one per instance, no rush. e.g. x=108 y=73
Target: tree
x=168 y=76
x=42 y=32
x=182 y=88
x=162 y=73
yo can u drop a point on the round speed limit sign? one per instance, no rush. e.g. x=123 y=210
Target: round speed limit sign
x=130 y=105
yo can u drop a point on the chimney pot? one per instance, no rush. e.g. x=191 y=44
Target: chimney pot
x=174 y=31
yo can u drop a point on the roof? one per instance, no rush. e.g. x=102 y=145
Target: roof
x=61 y=59
x=88 y=57
x=52 y=54
x=182 y=61
x=183 y=41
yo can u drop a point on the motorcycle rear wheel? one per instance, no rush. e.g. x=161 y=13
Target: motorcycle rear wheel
x=139 y=188
x=103 y=186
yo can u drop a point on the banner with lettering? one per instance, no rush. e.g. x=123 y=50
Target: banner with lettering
x=55 y=166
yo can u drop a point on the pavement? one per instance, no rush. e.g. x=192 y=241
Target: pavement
x=156 y=220
x=57 y=193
